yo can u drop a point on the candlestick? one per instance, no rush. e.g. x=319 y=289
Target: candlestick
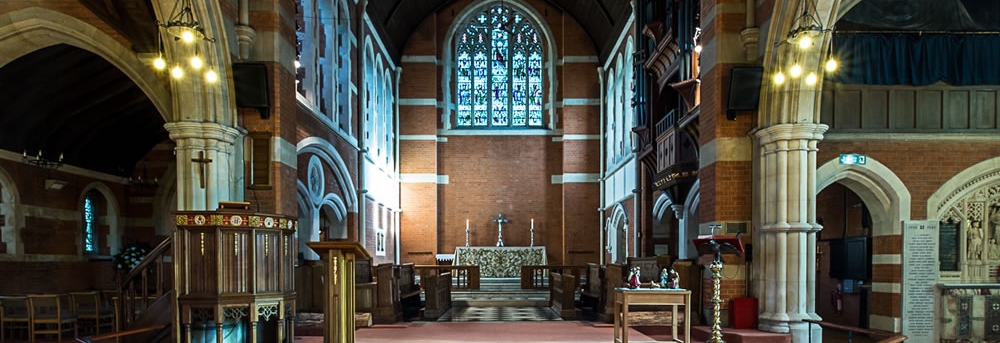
x=467 y=232
x=532 y=232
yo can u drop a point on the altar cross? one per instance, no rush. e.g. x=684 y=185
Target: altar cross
x=500 y=221
x=202 y=161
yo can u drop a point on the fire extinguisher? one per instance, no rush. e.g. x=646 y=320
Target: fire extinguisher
x=837 y=299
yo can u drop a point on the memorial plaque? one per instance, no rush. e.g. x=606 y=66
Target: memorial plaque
x=948 y=250
x=920 y=275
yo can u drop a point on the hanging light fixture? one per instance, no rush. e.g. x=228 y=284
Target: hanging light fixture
x=184 y=27
x=806 y=29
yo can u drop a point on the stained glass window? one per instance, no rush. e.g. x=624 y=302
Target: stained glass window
x=89 y=225
x=498 y=71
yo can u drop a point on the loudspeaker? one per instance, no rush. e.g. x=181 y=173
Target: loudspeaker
x=252 y=89
x=744 y=89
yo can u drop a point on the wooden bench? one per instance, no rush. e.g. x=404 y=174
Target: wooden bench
x=562 y=294
x=408 y=291
x=437 y=290
x=592 y=292
x=365 y=289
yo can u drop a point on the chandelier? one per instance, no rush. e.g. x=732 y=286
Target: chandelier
x=803 y=34
x=184 y=27
x=41 y=161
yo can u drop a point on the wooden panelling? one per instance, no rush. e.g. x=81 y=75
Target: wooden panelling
x=957 y=109
x=856 y=108
x=847 y=110
x=903 y=110
x=984 y=109
x=875 y=109
x=928 y=109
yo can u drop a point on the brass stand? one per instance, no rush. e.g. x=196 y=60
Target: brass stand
x=716 y=268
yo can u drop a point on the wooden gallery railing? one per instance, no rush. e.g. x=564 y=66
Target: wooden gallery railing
x=885 y=336
x=462 y=277
x=537 y=277
x=143 y=286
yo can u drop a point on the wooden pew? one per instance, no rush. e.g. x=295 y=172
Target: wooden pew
x=387 y=308
x=366 y=290
x=562 y=294
x=408 y=291
x=592 y=294
x=437 y=290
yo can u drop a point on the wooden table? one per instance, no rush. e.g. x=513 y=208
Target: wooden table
x=625 y=297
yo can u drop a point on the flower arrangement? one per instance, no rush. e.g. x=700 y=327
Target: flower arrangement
x=130 y=257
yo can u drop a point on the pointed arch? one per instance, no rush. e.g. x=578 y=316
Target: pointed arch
x=10 y=200
x=548 y=56
x=112 y=217
x=30 y=29
x=322 y=149
x=961 y=185
x=617 y=234
x=883 y=192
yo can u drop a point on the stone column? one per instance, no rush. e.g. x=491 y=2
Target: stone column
x=786 y=239
x=208 y=168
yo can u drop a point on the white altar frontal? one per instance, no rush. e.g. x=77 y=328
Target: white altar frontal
x=499 y=261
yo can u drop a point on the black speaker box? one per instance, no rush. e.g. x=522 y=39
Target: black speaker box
x=744 y=90
x=252 y=89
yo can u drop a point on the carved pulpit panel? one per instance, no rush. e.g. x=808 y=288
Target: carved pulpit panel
x=234 y=269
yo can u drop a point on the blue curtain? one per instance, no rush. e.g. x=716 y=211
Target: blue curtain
x=915 y=59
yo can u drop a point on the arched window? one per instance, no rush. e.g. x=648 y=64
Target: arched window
x=90 y=229
x=499 y=74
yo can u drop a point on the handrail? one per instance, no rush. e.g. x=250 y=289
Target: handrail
x=113 y=335
x=536 y=277
x=134 y=289
x=462 y=276
x=891 y=337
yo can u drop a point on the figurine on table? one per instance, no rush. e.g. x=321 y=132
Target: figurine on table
x=674 y=280
x=665 y=278
x=633 y=278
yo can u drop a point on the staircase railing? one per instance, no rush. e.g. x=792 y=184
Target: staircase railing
x=144 y=284
x=887 y=337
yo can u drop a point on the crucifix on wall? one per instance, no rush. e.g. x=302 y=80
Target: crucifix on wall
x=203 y=162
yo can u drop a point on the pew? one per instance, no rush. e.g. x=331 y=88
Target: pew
x=592 y=292
x=365 y=291
x=437 y=290
x=562 y=294
x=387 y=309
x=408 y=291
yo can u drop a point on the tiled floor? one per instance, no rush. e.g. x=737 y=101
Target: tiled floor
x=499 y=314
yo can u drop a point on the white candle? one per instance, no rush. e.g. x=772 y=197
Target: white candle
x=532 y=223
x=466 y=225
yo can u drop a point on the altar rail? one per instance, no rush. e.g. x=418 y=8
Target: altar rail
x=462 y=277
x=537 y=277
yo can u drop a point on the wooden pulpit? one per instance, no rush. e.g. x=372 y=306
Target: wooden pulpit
x=339 y=288
x=234 y=276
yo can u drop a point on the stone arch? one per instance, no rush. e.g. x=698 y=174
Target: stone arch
x=888 y=202
x=112 y=217
x=690 y=228
x=617 y=234
x=330 y=157
x=962 y=185
x=34 y=28
x=10 y=200
x=448 y=54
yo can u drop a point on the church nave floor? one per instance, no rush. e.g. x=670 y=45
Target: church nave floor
x=499 y=314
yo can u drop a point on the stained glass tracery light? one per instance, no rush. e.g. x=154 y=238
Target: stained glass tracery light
x=499 y=71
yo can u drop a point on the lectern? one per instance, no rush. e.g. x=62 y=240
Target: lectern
x=717 y=246
x=338 y=310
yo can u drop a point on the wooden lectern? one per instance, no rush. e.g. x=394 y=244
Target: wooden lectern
x=338 y=310
x=717 y=246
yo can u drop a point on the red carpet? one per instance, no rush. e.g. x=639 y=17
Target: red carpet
x=543 y=332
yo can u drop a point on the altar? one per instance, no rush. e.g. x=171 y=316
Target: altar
x=500 y=261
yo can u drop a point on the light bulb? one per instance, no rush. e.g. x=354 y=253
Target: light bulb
x=177 y=72
x=831 y=65
x=297 y=64
x=795 y=71
x=811 y=78
x=187 y=36
x=697 y=48
x=805 y=42
x=196 y=62
x=211 y=76
x=159 y=63
x=779 y=78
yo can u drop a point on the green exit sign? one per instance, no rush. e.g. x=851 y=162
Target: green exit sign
x=853 y=159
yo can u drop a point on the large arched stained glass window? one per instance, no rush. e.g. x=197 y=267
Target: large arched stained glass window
x=499 y=71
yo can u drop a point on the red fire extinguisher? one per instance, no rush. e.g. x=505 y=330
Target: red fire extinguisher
x=837 y=299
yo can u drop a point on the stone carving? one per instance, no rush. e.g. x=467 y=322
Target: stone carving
x=975 y=245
